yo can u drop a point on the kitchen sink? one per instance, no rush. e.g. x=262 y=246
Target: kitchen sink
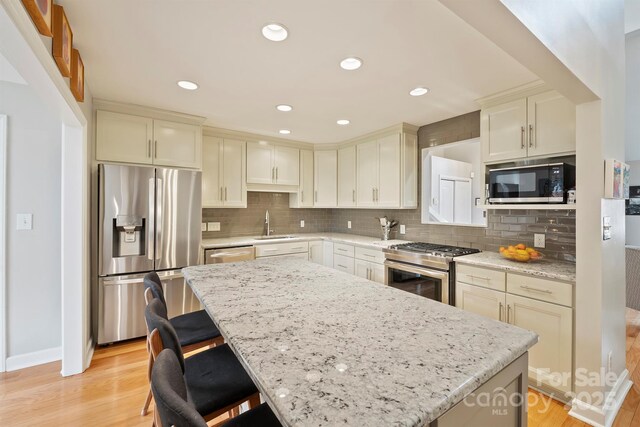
x=276 y=237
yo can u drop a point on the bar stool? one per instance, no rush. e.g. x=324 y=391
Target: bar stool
x=175 y=409
x=215 y=380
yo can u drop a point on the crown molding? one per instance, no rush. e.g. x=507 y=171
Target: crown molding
x=527 y=89
x=154 y=113
x=253 y=137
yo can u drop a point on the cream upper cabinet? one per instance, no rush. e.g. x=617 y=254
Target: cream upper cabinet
x=142 y=140
x=367 y=172
x=303 y=198
x=223 y=172
x=177 y=144
x=552 y=124
x=536 y=126
x=124 y=138
x=347 y=177
x=551 y=357
x=379 y=173
x=325 y=170
x=486 y=302
x=272 y=164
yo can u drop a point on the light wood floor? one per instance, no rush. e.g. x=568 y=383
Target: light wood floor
x=112 y=390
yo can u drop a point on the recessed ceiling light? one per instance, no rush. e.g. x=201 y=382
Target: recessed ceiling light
x=284 y=107
x=343 y=122
x=186 y=84
x=284 y=131
x=275 y=32
x=419 y=91
x=351 y=63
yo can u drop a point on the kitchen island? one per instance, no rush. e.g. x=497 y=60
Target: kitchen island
x=326 y=348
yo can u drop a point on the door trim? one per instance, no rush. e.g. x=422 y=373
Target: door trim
x=3 y=289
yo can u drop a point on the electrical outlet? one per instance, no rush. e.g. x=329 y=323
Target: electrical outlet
x=203 y=226
x=403 y=229
x=213 y=226
x=302 y=223
x=539 y=240
x=24 y=222
x=348 y=224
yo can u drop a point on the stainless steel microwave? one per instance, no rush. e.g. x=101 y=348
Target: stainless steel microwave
x=547 y=183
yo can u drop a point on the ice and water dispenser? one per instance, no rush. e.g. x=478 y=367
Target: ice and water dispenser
x=128 y=236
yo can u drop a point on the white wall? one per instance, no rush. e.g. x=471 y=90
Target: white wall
x=33 y=257
x=632 y=103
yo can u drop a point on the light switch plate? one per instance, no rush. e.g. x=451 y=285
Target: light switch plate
x=403 y=229
x=302 y=223
x=213 y=226
x=539 y=240
x=348 y=224
x=203 y=226
x=606 y=228
x=24 y=222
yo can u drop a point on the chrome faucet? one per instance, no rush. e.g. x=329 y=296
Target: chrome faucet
x=266 y=223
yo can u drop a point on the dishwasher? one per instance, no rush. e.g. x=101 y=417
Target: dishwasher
x=234 y=254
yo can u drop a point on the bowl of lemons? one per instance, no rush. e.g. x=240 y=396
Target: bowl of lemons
x=520 y=253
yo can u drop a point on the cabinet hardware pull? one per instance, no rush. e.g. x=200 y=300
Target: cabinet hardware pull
x=373 y=194
x=377 y=194
x=508 y=313
x=276 y=175
x=369 y=255
x=149 y=148
x=530 y=136
x=500 y=308
x=522 y=137
x=302 y=196
x=273 y=174
x=529 y=288
x=479 y=277
x=297 y=248
x=155 y=148
x=316 y=195
x=225 y=194
x=343 y=266
x=368 y=274
x=354 y=195
x=221 y=198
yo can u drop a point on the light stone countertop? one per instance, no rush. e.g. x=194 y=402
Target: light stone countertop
x=326 y=348
x=545 y=268
x=351 y=239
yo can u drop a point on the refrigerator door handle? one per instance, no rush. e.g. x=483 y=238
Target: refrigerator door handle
x=152 y=220
x=158 y=214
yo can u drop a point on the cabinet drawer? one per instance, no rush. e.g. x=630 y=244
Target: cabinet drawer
x=371 y=255
x=299 y=255
x=281 y=249
x=342 y=249
x=343 y=263
x=540 y=289
x=484 y=277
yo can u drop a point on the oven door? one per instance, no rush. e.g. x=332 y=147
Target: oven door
x=423 y=281
x=520 y=185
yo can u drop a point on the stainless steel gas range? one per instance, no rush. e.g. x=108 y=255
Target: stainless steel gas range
x=424 y=269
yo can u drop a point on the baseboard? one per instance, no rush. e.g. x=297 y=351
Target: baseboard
x=599 y=416
x=28 y=360
x=88 y=353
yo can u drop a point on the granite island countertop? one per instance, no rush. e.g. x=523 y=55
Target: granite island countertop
x=545 y=268
x=350 y=239
x=327 y=348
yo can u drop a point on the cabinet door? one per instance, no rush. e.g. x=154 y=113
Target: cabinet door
x=211 y=174
x=325 y=170
x=343 y=263
x=367 y=172
x=327 y=254
x=123 y=138
x=503 y=131
x=177 y=144
x=552 y=124
x=233 y=174
x=287 y=165
x=486 y=302
x=377 y=272
x=347 y=177
x=306 y=179
x=260 y=169
x=316 y=252
x=362 y=269
x=554 y=325
x=388 y=189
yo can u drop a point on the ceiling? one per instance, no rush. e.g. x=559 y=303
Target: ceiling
x=136 y=51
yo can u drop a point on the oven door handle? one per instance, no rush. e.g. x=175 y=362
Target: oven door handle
x=417 y=270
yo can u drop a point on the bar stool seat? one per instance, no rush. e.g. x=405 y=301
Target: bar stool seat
x=194 y=327
x=261 y=416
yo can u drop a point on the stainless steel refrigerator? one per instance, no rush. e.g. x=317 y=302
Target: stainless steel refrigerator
x=149 y=220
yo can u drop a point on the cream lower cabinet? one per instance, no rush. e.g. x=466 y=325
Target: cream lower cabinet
x=316 y=252
x=540 y=305
x=223 y=173
x=369 y=270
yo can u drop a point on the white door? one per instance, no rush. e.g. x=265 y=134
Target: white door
x=325 y=171
x=362 y=269
x=486 y=302
x=260 y=168
x=462 y=202
x=367 y=172
x=552 y=124
x=503 y=130
x=177 y=144
x=388 y=189
x=211 y=174
x=305 y=197
x=287 y=165
x=233 y=173
x=554 y=325
x=316 y=252
x=347 y=177
x=446 y=200
x=124 y=138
